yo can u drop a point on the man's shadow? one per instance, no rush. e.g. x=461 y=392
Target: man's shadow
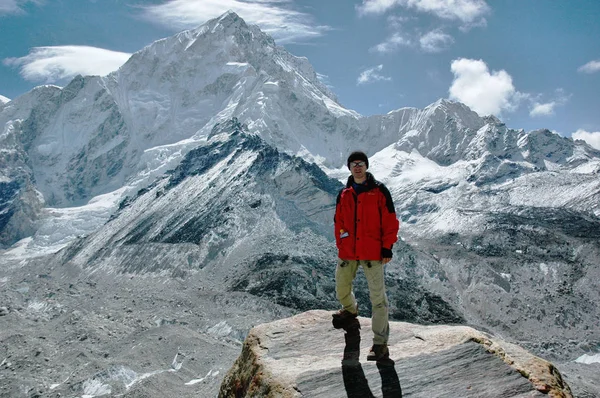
x=355 y=381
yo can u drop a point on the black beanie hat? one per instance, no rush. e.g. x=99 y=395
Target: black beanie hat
x=357 y=155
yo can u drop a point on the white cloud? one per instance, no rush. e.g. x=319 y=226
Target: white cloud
x=15 y=6
x=396 y=21
x=285 y=25
x=590 y=67
x=51 y=64
x=465 y=11
x=435 y=41
x=377 y=6
x=591 y=138
x=372 y=75
x=391 y=44
x=484 y=92
x=546 y=109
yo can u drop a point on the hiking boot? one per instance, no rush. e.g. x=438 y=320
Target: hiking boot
x=378 y=352
x=343 y=318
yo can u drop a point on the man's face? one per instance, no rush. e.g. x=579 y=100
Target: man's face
x=358 y=168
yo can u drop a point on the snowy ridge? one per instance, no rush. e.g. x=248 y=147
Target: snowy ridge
x=221 y=206
x=98 y=135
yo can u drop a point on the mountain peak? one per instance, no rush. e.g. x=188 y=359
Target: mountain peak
x=450 y=106
x=227 y=20
x=228 y=17
x=444 y=110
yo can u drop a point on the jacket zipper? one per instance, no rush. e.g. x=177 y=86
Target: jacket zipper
x=355 y=223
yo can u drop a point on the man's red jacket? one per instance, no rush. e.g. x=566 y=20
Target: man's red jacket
x=365 y=222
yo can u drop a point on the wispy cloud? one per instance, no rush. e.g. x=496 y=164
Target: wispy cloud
x=465 y=13
x=484 y=92
x=15 y=6
x=274 y=17
x=397 y=22
x=391 y=44
x=468 y=12
x=52 y=64
x=547 y=108
x=325 y=80
x=590 y=67
x=372 y=75
x=435 y=41
x=591 y=138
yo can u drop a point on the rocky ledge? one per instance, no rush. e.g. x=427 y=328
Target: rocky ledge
x=304 y=356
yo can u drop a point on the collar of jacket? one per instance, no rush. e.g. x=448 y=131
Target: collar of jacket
x=371 y=182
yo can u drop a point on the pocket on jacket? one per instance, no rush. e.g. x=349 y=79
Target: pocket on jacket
x=346 y=247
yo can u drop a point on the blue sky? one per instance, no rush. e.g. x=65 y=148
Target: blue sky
x=533 y=63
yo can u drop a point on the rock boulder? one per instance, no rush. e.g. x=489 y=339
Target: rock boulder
x=304 y=356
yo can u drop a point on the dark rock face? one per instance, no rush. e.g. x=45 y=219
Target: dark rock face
x=8 y=193
x=20 y=205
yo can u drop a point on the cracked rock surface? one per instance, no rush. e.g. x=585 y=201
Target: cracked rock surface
x=302 y=356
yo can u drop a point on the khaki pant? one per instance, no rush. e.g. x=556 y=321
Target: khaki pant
x=344 y=277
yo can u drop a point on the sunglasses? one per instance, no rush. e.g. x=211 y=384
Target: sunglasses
x=358 y=164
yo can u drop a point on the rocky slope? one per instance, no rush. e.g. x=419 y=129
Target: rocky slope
x=72 y=332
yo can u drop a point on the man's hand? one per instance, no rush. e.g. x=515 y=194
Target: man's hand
x=386 y=255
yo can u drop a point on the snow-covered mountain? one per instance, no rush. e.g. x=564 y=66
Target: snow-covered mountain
x=100 y=134
x=91 y=136
x=217 y=155
x=242 y=214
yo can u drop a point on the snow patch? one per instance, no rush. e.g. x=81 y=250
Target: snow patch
x=37 y=306
x=551 y=166
x=593 y=166
x=271 y=87
x=211 y=373
x=588 y=359
x=221 y=329
x=95 y=388
x=61 y=226
x=338 y=110
x=235 y=67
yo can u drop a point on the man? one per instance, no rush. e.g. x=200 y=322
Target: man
x=366 y=227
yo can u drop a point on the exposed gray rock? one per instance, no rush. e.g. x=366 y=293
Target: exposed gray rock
x=584 y=379
x=73 y=333
x=302 y=356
